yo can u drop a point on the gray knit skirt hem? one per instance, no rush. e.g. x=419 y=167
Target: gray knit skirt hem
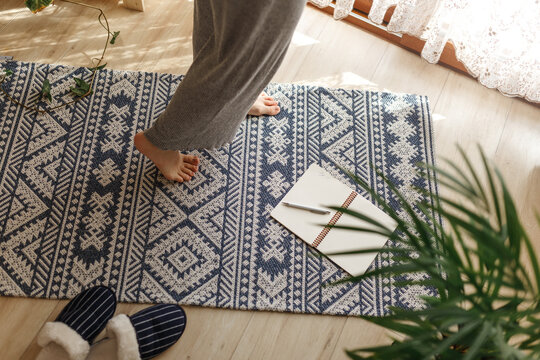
x=162 y=143
x=238 y=46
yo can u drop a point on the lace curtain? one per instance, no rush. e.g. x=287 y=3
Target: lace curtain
x=498 y=41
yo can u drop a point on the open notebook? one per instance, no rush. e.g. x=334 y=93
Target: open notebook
x=317 y=188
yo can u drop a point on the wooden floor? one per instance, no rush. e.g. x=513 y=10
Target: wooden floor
x=325 y=52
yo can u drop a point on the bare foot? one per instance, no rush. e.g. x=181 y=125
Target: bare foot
x=173 y=165
x=264 y=105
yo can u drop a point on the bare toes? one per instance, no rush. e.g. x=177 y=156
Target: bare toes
x=171 y=177
x=191 y=159
x=184 y=176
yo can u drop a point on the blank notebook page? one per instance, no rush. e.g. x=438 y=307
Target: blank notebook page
x=317 y=188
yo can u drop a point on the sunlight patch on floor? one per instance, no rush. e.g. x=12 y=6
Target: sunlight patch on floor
x=345 y=80
x=300 y=39
x=437 y=117
x=10 y=12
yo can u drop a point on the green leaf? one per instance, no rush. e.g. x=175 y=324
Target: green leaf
x=115 y=35
x=474 y=175
x=372 y=250
x=401 y=224
x=392 y=270
x=353 y=356
x=97 y=68
x=81 y=83
x=453 y=182
x=82 y=88
x=46 y=90
x=426 y=282
x=515 y=231
x=494 y=194
x=488 y=304
x=420 y=225
x=387 y=234
x=478 y=341
x=37 y=5
x=409 y=329
x=367 y=219
x=455 y=338
x=410 y=349
x=8 y=72
x=532 y=256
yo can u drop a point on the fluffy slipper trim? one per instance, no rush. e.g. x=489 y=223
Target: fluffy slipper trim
x=61 y=334
x=121 y=328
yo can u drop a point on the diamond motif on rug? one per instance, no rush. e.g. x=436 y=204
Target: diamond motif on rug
x=79 y=206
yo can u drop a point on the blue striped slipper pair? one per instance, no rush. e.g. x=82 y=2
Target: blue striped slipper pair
x=141 y=336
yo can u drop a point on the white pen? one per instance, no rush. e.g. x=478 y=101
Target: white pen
x=308 y=208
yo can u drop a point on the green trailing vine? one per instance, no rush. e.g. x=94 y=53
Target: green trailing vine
x=81 y=88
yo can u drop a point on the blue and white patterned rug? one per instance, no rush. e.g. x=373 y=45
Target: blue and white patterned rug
x=78 y=206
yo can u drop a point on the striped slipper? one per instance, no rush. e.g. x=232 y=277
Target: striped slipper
x=141 y=336
x=83 y=318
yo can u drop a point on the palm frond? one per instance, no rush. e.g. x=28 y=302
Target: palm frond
x=487 y=304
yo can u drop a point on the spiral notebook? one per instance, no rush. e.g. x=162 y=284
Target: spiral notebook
x=317 y=188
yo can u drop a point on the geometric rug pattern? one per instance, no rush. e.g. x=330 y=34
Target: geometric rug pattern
x=80 y=207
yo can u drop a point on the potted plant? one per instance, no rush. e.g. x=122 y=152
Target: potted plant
x=488 y=301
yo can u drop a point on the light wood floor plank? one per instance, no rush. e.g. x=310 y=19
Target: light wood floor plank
x=469 y=114
x=33 y=348
x=402 y=71
x=518 y=158
x=359 y=333
x=9 y=11
x=332 y=67
x=299 y=336
x=58 y=32
x=21 y=320
x=134 y=4
x=210 y=334
x=150 y=41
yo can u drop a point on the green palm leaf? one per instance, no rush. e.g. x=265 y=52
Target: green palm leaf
x=488 y=301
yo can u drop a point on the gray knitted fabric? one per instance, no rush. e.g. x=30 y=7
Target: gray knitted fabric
x=238 y=46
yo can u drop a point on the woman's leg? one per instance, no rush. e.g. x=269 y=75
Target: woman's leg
x=203 y=30
x=203 y=25
x=229 y=71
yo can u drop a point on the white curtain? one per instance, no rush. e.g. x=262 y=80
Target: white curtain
x=498 y=41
